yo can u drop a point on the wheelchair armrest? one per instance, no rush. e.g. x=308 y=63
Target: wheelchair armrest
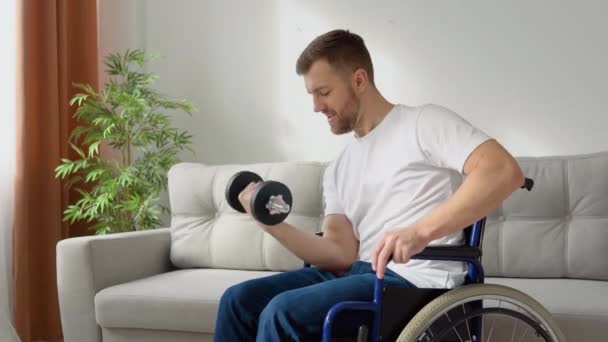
x=449 y=253
x=469 y=254
x=444 y=252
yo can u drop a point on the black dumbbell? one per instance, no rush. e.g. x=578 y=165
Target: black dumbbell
x=271 y=201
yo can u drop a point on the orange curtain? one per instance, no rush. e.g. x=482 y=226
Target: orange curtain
x=57 y=47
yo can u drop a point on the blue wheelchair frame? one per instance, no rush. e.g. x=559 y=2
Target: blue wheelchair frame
x=469 y=253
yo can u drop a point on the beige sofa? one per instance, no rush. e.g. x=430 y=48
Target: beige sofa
x=165 y=284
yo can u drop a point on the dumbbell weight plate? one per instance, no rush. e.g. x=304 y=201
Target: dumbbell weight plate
x=260 y=198
x=236 y=184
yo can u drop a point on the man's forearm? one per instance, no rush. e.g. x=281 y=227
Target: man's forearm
x=481 y=192
x=313 y=249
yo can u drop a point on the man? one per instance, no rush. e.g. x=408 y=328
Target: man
x=395 y=189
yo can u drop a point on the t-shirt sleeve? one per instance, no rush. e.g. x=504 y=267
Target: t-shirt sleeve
x=331 y=200
x=445 y=138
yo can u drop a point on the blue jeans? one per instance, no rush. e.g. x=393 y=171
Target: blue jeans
x=291 y=306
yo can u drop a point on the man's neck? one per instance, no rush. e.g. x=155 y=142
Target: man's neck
x=373 y=110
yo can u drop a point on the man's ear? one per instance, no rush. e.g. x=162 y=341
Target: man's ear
x=360 y=80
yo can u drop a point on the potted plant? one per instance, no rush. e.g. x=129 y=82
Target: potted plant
x=129 y=116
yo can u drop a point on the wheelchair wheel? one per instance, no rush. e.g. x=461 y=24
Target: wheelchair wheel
x=506 y=315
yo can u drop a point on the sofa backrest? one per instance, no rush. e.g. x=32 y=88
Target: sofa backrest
x=207 y=232
x=560 y=228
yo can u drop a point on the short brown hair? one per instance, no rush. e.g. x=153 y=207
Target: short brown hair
x=341 y=48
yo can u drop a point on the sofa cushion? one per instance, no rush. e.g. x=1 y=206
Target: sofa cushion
x=187 y=300
x=207 y=232
x=559 y=229
x=579 y=306
x=182 y=300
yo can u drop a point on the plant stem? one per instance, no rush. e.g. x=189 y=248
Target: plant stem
x=128 y=162
x=128 y=151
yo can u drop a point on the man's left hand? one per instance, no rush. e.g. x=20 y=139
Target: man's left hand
x=399 y=245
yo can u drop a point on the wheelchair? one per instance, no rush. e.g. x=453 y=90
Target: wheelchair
x=473 y=312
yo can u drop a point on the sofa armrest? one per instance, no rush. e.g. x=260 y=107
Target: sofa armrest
x=87 y=265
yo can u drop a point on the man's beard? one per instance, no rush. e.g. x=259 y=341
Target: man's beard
x=348 y=118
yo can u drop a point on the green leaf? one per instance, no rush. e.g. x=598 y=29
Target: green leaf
x=66 y=167
x=78 y=98
x=154 y=56
x=187 y=106
x=108 y=130
x=77 y=132
x=73 y=213
x=99 y=121
x=126 y=179
x=80 y=164
x=94 y=174
x=90 y=91
x=102 y=202
x=78 y=150
x=94 y=149
x=101 y=228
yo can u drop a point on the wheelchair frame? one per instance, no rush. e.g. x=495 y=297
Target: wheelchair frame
x=469 y=253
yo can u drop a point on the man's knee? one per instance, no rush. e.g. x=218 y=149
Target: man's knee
x=284 y=320
x=275 y=320
x=236 y=297
x=277 y=310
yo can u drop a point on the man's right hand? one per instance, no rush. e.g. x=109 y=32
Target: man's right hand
x=245 y=199
x=245 y=196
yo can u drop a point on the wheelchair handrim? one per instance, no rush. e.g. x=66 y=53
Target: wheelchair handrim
x=547 y=325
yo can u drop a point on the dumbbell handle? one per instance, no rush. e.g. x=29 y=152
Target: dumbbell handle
x=276 y=205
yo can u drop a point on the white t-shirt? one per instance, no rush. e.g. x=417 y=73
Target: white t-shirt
x=411 y=162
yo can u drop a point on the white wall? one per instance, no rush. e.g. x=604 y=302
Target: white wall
x=530 y=73
x=121 y=26
x=8 y=103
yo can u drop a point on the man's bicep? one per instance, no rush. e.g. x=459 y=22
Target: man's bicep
x=339 y=229
x=489 y=154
